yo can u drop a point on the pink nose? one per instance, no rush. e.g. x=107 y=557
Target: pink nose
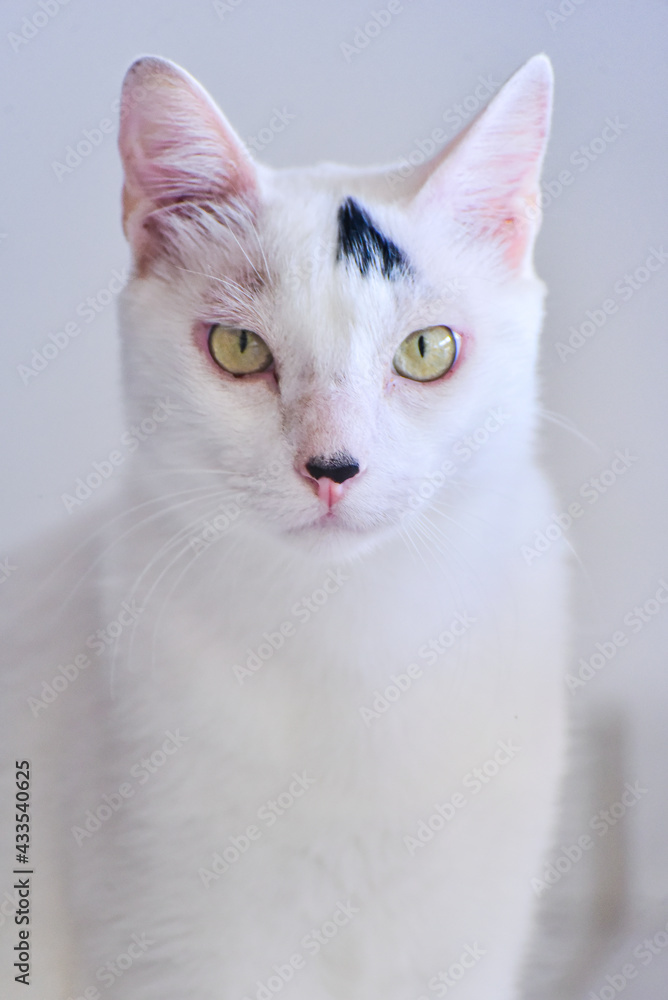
x=329 y=491
x=329 y=475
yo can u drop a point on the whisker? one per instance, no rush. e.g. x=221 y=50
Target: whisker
x=451 y=550
x=174 y=539
x=563 y=422
x=169 y=595
x=143 y=521
x=405 y=532
x=147 y=597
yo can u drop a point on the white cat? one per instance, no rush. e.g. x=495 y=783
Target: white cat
x=293 y=704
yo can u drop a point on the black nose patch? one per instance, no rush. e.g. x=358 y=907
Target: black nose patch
x=338 y=468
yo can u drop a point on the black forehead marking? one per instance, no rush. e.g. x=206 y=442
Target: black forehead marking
x=363 y=243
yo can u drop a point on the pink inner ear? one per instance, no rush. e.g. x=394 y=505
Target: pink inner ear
x=175 y=145
x=514 y=237
x=507 y=213
x=489 y=177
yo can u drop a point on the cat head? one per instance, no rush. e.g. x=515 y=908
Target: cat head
x=328 y=337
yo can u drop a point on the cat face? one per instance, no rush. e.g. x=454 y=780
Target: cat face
x=331 y=341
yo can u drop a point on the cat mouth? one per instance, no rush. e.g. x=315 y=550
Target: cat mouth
x=337 y=521
x=331 y=521
x=332 y=514
x=329 y=517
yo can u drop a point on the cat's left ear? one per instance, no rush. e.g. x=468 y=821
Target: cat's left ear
x=176 y=146
x=488 y=178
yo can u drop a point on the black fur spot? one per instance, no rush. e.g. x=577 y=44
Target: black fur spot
x=361 y=242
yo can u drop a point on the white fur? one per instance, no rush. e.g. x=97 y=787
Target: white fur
x=410 y=569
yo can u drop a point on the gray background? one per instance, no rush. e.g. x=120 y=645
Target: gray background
x=60 y=241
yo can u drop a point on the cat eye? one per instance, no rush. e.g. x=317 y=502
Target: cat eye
x=240 y=352
x=427 y=354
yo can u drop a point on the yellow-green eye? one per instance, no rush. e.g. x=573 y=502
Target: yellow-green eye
x=427 y=354
x=240 y=352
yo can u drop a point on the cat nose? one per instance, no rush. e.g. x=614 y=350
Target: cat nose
x=329 y=474
x=338 y=469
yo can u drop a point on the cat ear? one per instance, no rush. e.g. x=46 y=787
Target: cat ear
x=488 y=179
x=176 y=146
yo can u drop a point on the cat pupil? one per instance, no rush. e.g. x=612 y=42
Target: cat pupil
x=421 y=345
x=243 y=341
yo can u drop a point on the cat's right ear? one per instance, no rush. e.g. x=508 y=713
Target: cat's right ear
x=487 y=179
x=176 y=146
